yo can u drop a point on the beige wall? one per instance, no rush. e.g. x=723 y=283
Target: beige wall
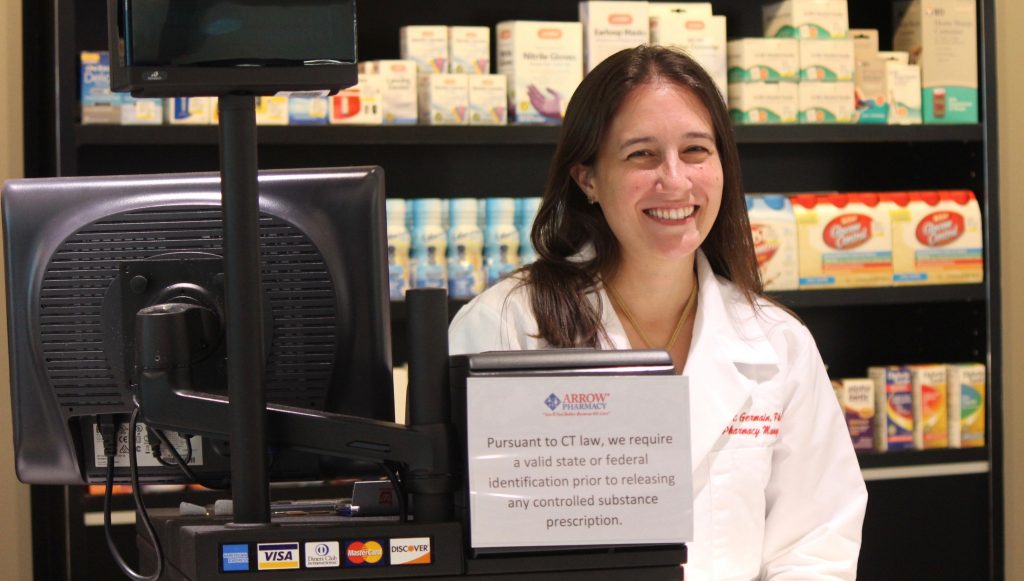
x=15 y=532
x=1010 y=41
x=16 y=528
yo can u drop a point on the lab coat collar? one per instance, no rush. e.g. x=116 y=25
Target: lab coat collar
x=730 y=354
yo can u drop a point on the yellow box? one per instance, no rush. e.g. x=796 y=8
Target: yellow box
x=966 y=382
x=936 y=237
x=845 y=240
x=931 y=428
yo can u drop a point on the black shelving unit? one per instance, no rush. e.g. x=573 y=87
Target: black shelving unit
x=909 y=517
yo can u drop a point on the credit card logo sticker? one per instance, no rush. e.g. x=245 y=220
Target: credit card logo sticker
x=323 y=554
x=410 y=551
x=364 y=554
x=274 y=556
x=234 y=558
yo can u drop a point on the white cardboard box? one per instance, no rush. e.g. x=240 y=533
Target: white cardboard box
x=827 y=102
x=759 y=103
x=469 y=50
x=942 y=37
x=763 y=59
x=488 y=100
x=427 y=45
x=611 y=26
x=827 y=60
x=543 y=62
x=701 y=37
x=806 y=19
x=444 y=99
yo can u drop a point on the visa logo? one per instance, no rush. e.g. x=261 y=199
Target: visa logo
x=278 y=556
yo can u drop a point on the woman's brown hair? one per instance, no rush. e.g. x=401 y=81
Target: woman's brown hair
x=560 y=280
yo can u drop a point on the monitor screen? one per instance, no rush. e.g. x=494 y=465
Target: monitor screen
x=84 y=254
x=239 y=32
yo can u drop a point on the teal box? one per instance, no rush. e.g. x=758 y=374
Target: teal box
x=950 y=105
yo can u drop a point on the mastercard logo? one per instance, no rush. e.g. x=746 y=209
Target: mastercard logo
x=360 y=553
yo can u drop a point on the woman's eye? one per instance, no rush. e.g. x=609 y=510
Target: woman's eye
x=638 y=154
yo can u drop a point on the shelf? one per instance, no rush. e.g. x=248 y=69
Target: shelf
x=924 y=463
x=821 y=298
x=90 y=135
x=905 y=295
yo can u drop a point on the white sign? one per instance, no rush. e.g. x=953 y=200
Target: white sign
x=566 y=461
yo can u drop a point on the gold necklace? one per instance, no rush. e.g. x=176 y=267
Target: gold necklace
x=691 y=302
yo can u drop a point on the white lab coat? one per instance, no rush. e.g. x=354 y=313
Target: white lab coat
x=782 y=505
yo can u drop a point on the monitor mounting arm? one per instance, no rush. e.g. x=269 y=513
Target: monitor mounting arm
x=164 y=341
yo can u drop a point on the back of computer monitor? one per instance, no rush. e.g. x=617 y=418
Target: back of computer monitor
x=83 y=254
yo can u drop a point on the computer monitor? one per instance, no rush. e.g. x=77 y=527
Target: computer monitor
x=84 y=254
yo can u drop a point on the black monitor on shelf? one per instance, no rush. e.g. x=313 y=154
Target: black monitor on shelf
x=175 y=48
x=84 y=254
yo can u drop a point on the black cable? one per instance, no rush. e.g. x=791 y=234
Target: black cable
x=403 y=507
x=109 y=452
x=183 y=462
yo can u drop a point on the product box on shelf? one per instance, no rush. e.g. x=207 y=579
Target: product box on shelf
x=188 y=110
x=894 y=408
x=865 y=42
x=936 y=237
x=756 y=103
x=845 y=240
x=611 y=26
x=488 y=100
x=888 y=89
x=99 y=105
x=701 y=37
x=931 y=429
x=763 y=59
x=966 y=383
x=826 y=102
x=806 y=19
x=857 y=399
x=427 y=45
x=469 y=50
x=543 y=62
x=773 y=228
x=826 y=60
x=141 y=111
x=399 y=92
x=308 y=110
x=359 y=104
x=272 y=110
x=942 y=37
x=444 y=99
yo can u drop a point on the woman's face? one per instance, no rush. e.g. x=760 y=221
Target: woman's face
x=657 y=175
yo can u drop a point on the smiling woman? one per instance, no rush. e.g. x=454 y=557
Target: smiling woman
x=644 y=241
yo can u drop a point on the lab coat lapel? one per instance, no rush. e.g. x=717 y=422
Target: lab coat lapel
x=728 y=351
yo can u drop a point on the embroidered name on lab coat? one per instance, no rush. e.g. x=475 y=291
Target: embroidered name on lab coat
x=750 y=425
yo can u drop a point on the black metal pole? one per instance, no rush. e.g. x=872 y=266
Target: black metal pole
x=429 y=399
x=250 y=488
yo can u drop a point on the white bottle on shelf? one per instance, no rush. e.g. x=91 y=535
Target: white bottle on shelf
x=428 y=245
x=501 y=239
x=465 y=250
x=399 y=244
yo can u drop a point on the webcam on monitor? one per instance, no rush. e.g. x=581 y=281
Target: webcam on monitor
x=171 y=48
